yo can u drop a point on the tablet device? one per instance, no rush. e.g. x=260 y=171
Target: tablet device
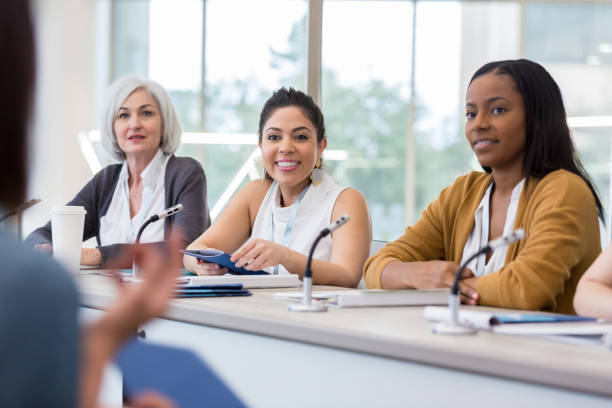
x=221 y=258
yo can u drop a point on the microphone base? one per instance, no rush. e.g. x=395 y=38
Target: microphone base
x=453 y=329
x=307 y=304
x=313 y=307
x=136 y=272
x=608 y=340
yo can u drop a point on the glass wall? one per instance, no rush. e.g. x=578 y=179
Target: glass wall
x=219 y=66
x=392 y=79
x=365 y=89
x=579 y=57
x=474 y=33
x=175 y=55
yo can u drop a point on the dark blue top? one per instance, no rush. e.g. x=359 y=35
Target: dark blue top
x=38 y=329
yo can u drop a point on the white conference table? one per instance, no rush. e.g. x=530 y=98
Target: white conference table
x=368 y=356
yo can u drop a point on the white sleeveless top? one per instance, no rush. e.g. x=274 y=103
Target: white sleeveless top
x=313 y=214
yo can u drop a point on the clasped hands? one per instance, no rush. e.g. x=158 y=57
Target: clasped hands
x=441 y=274
x=253 y=255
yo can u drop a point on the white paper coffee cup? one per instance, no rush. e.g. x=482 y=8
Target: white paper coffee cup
x=67 y=224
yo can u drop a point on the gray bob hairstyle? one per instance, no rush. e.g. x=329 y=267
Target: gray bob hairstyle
x=118 y=92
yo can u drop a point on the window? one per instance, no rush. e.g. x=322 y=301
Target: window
x=392 y=82
x=474 y=33
x=246 y=56
x=579 y=57
x=365 y=89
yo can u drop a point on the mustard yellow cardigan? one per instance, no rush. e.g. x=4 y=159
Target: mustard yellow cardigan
x=559 y=216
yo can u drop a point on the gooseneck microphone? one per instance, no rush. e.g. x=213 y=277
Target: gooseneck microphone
x=17 y=211
x=159 y=216
x=453 y=326
x=20 y=209
x=155 y=217
x=307 y=305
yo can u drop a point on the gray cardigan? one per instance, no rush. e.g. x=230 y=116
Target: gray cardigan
x=185 y=183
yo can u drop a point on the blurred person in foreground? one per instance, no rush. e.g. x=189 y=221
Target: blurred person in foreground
x=46 y=360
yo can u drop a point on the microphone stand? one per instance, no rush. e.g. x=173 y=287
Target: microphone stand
x=135 y=269
x=453 y=325
x=142 y=228
x=307 y=305
x=21 y=208
x=136 y=272
x=18 y=211
x=155 y=217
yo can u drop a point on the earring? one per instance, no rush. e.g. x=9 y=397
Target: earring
x=316 y=176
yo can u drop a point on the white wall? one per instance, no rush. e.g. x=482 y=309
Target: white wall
x=64 y=103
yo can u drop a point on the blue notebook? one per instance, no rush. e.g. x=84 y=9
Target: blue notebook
x=177 y=373
x=221 y=258
x=228 y=289
x=509 y=318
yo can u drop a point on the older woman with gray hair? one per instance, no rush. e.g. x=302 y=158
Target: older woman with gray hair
x=141 y=129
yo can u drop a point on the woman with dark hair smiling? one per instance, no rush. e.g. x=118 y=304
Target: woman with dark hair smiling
x=533 y=179
x=272 y=222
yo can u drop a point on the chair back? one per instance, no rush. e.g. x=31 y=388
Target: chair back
x=375 y=246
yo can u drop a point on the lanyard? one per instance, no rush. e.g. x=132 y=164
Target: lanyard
x=289 y=229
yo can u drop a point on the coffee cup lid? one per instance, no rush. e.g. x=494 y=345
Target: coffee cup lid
x=69 y=209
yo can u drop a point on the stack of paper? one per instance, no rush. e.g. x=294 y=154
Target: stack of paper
x=373 y=297
x=538 y=324
x=230 y=289
x=503 y=321
x=247 y=281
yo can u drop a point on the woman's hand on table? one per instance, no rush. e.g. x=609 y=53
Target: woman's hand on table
x=258 y=253
x=441 y=274
x=91 y=256
x=430 y=275
x=204 y=268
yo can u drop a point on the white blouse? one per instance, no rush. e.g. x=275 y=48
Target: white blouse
x=116 y=226
x=311 y=214
x=479 y=237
